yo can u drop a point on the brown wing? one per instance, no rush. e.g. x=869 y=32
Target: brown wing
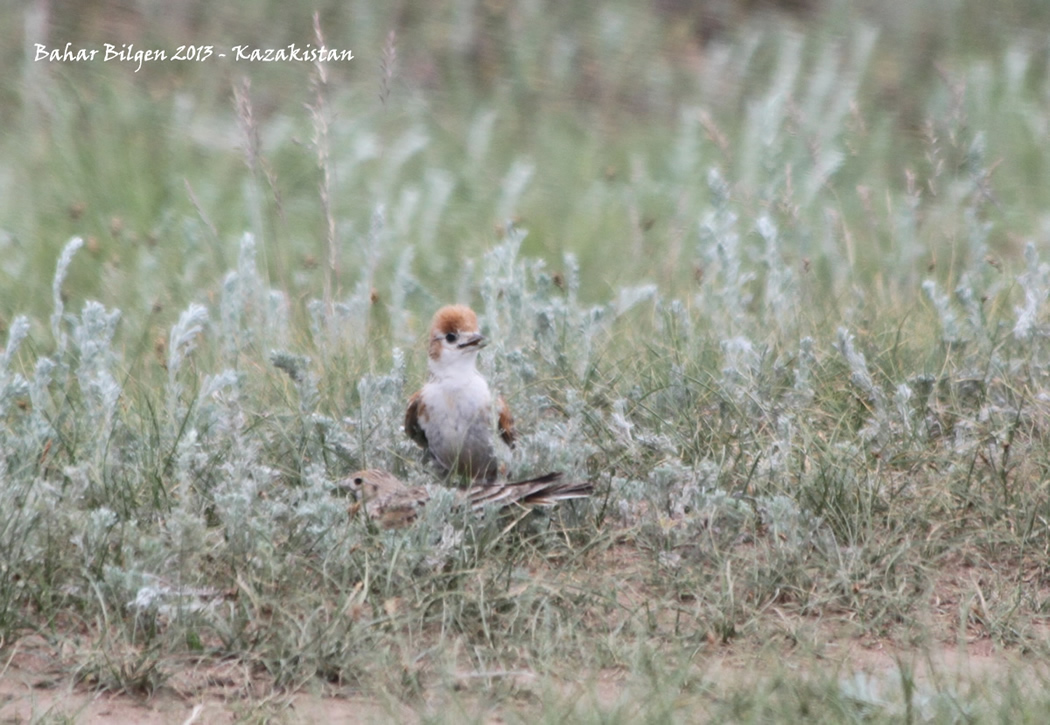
x=413 y=429
x=399 y=508
x=506 y=423
x=387 y=500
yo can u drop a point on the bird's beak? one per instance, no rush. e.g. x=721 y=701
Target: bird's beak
x=476 y=340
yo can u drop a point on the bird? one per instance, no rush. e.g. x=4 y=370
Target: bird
x=451 y=417
x=393 y=505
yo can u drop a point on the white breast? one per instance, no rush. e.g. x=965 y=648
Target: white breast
x=458 y=422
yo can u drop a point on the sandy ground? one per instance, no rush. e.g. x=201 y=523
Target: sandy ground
x=33 y=686
x=24 y=699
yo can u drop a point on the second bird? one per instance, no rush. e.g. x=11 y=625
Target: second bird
x=453 y=416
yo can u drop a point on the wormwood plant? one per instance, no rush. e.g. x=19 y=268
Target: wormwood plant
x=205 y=544
x=190 y=529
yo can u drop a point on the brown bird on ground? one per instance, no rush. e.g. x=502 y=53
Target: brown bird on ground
x=393 y=505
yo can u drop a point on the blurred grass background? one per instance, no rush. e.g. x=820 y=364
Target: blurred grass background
x=589 y=106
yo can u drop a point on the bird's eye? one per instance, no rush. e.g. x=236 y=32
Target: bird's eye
x=451 y=337
x=358 y=481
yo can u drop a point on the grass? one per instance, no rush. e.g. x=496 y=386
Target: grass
x=780 y=293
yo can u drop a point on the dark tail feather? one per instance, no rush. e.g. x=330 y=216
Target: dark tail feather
x=543 y=490
x=559 y=492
